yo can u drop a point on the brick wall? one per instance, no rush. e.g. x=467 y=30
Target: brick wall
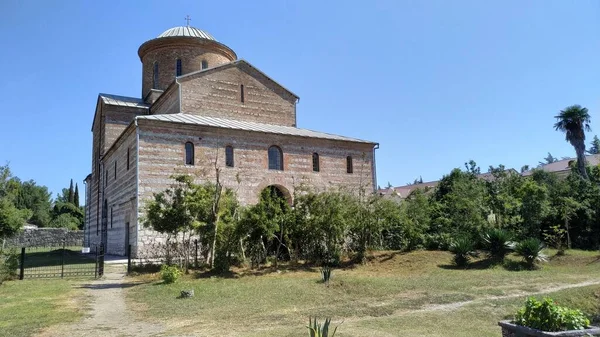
x=218 y=94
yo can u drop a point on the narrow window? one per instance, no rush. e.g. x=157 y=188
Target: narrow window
x=229 y=156
x=105 y=178
x=178 y=71
x=115 y=170
x=189 y=153
x=315 y=158
x=111 y=217
x=275 y=158
x=155 y=76
x=349 y=168
x=204 y=64
x=128 y=154
x=242 y=93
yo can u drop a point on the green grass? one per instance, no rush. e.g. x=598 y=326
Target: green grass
x=389 y=296
x=30 y=305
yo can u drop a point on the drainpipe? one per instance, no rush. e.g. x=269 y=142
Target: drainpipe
x=374 y=168
x=137 y=185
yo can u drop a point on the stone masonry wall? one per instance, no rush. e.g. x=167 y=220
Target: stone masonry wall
x=218 y=94
x=161 y=154
x=41 y=237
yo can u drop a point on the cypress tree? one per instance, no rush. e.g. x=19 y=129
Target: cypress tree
x=76 y=196
x=71 y=193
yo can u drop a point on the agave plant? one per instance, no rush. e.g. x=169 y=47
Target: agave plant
x=463 y=249
x=497 y=243
x=326 y=274
x=531 y=251
x=316 y=330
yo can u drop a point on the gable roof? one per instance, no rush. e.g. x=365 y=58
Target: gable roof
x=182 y=118
x=236 y=63
x=116 y=100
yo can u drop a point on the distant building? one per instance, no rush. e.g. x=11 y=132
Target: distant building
x=564 y=167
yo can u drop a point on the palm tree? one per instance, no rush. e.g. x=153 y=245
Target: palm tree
x=573 y=121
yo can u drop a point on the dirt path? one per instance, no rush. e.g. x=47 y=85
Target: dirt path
x=456 y=305
x=109 y=315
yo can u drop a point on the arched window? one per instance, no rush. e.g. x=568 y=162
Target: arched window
x=229 y=156
x=155 y=76
x=204 y=64
x=275 y=158
x=178 y=67
x=349 y=168
x=189 y=153
x=315 y=158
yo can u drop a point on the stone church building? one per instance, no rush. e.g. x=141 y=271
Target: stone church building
x=199 y=105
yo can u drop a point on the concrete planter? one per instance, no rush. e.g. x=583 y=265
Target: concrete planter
x=512 y=330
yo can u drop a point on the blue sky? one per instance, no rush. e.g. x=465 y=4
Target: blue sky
x=436 y=83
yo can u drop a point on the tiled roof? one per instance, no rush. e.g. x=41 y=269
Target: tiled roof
x=563 y=165
x=183 y=118
x=123 y=101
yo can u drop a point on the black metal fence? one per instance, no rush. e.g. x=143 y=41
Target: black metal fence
x=62 y=259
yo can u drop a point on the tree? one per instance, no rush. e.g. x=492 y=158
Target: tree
x=76 y=196
x=169 y=213
x=595 y=146
x=71 y=197
x=574 y=121
x=12 y=219
x=416 y=181
x=548 y=160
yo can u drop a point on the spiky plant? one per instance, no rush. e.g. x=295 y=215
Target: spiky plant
x=315 y=329
x=326 y=274
x=531 y=251
x=463 y=250
x=497 y=243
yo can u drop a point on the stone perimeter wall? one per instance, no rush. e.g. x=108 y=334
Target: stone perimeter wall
x=45 y=237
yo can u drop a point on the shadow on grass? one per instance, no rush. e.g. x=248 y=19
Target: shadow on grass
x=112 y=285
x=507 y=264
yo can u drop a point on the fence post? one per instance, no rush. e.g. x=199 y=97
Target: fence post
x=62 y=260
x=96 y=269
x=128 y=259
x=196 y=253
x=22 y=267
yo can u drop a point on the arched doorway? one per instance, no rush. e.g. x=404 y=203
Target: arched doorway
x=279 y=191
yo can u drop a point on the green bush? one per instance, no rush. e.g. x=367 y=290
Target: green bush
x=531 y=251
x=316 y=330
x=170 y=274
x=497 y=243
x=9 y=264
x=438 y=241
x=463 y=249
x=548 y=316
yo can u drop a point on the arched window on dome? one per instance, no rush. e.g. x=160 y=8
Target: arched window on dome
x=178 y=68
x=204 y=64
x=189 y=153
x=155 y=76
x=275 y=158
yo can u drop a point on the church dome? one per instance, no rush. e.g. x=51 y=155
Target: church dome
x=186 y=31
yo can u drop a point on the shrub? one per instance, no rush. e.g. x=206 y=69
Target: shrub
x=548 y=316
x=497 y=243
x=9 y=264
x=438 y=241
x=531 y=251
x=169 y=274
x=316 y=330
x=463 y=249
